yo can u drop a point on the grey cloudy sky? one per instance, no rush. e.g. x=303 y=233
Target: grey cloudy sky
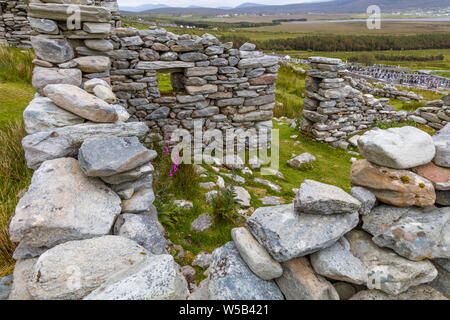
x=207 y=3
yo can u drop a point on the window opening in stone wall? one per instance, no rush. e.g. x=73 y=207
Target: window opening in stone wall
x=170 y=83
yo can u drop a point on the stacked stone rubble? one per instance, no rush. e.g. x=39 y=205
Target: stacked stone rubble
x=314 y=249
x=334 y=109
x=14 y=27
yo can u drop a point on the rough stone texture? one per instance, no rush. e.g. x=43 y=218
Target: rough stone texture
x=44 y=76
x=143 y=229
x=442 y=143
x=131 y=175
x=140 y=202
x=109 y=156
x=242 y=196
x=65 y=141
x=78 y=101
x=299 y=282
x=52 y=50
x=397 y=148
x=344 y=290
x=299 y=161
x=22 y=273
x=387 y=271
x=442 y=282
x=287 y=235
x=231 y=279
x=75 y=207
x=439 y=176
x=42 y=114
x=397 y=187
x=155 y=278
x=422 y=292
x=233 y=162
x=93 y=63
x=203 y=259
x=338 y=263
x=202 y=223
x=367 y=199
x=84 y=265
x=256 y=257
x=319 y=198
x=5 y=287
x=414 y=233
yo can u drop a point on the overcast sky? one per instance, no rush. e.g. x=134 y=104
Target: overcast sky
x=207 y=3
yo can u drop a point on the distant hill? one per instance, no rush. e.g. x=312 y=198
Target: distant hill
x=143 y=7
x=326 y=6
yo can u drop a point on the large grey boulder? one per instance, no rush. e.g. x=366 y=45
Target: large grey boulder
x=22 y=272
x=61 y=205
x=65 y=141
x=414 y=233
x=44 y=76
x=319 y=198
x=231 y=279
x=105 y=157
x=74 y=269
x=287 y=235
x=299 y=282
x=52 y=50
x=387 y=271
x=42 y=114
x=397 y=148
x=143 y=229
x=80 y=102
x=442 y=143
x=256 y=257
x=338 y=263
x=155 y=278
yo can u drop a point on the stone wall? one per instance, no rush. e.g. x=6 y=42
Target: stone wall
x=335 y=109
x=15 y=29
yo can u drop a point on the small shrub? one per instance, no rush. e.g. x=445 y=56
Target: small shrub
x=225 y=205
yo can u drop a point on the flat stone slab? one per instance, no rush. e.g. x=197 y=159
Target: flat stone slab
x=93 y=260
x=319 y=198
x=287 y=235
x=65 y=141
x=231 y=279
x=163 y=65
x=109 y=156
x=387 y=271
x=62 y=12
x=397 y=148
x=156 y=278
x=44 y=76
x=62 y=204
x=42 y=115
x=414 y=233
x=256 y=257
x=80 y=102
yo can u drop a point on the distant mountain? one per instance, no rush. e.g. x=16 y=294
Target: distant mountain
x=324 y=6
x=143 y=7
x=249 y=4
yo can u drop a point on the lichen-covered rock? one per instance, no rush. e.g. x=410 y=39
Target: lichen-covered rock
x=110 y=156
x=155 y=278
x=61 y=205
x=299 y=282
x=202 y=223
x=400 y=188
x=439 y=176
x=397 y=148
x=65 y=141
x=74 y=269
x=80 y=102
x=231 y=279
x=287 y=235
x=414 y=233
x=143 y=229
x=42 y=115
x=338 y=263
x=319 y=198
x=386 y=270
x=256 y=257
x=422 y=292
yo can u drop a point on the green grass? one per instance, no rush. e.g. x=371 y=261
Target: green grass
x=14 y=97
x=15 y=64
x=290 y=93
x=164 y=83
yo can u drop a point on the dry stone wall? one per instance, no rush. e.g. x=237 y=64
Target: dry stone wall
x=335 y=109
x=15 y=29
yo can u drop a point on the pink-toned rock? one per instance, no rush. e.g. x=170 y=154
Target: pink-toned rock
x=263 y=80
x=401 y=188
x=439 y=176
